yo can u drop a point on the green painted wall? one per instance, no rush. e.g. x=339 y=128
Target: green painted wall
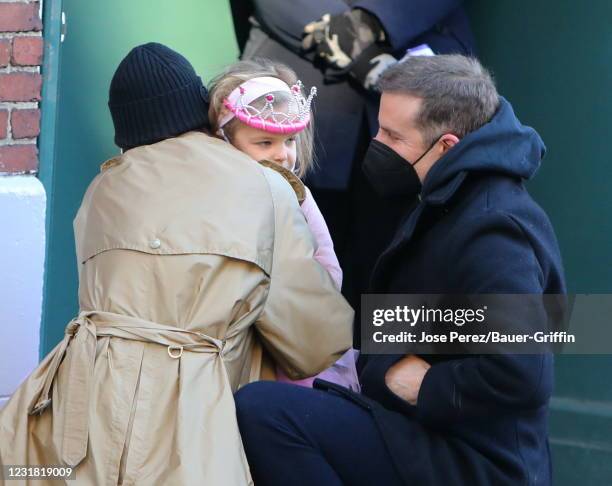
x=552 y=60
x=99 y=35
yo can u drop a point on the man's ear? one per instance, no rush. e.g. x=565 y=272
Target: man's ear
x=448 y=141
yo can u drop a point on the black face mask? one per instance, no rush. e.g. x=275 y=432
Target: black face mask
x=390 y=174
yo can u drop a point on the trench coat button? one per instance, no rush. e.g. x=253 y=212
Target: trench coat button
x=155 y=244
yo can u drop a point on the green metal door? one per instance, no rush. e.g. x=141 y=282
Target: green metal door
x=98 y=35
x=551 y=59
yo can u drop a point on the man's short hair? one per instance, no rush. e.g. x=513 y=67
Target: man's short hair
x=458 y=93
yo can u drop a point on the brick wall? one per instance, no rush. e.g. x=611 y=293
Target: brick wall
x=22 y=195
x=21 y=52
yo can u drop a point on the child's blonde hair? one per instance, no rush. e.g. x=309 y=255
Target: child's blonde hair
x=222 y=85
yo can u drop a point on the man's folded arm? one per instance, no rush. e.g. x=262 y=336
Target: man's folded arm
x=493 y=257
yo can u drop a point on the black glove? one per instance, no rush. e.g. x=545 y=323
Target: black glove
x=352 y=42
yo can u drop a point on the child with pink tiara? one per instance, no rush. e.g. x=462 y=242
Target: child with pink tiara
x=260 y=108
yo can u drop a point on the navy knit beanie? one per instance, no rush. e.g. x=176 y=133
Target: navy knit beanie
x=155 y=94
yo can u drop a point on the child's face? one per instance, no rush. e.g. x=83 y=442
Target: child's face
x=260 y=145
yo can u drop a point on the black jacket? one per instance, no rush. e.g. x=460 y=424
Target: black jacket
x=479 y=420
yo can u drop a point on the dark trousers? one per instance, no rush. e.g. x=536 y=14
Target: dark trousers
x=300 y=436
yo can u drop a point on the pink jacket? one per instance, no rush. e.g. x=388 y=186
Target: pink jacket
x=324 y=254
x=343 y=371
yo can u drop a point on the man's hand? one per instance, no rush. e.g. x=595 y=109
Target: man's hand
x=340 y=39
x=318 y=36
x=350 y=43
x=404 y=378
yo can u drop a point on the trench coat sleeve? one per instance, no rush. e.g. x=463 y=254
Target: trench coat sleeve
x=493 y=256
x=404 y=20
x=306 y=324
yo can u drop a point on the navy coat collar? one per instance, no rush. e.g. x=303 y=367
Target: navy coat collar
x=502 y=145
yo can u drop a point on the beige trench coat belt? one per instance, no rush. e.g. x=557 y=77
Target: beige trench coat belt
x=81 y=335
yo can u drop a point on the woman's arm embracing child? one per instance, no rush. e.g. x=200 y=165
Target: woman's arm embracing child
x=260 y=107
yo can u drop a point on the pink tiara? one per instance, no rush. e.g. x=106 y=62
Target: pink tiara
x=294 y=119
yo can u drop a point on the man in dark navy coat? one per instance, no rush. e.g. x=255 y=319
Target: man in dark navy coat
x=451 y=152
x=346 y=112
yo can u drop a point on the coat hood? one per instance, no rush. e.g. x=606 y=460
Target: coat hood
x=502 y=145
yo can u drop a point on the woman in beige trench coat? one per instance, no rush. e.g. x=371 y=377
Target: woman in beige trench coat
x=195 y=265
